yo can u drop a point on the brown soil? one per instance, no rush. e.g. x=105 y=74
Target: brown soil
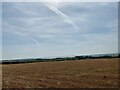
x=93 y=73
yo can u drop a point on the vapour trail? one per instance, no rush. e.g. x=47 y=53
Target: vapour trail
x=21 y=34
x=27 y=36
x=63 y=16
x=36 y=41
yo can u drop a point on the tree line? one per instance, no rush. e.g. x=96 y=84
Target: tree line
x=97 y=56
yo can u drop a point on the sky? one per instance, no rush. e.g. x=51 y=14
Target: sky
x=0 y=31
x=55 y=29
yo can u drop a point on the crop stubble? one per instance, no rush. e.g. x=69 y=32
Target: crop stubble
x=92 y=73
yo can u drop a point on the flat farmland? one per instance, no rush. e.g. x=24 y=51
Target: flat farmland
x=90 y=73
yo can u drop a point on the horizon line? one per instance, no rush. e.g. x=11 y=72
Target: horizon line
x=60 y=56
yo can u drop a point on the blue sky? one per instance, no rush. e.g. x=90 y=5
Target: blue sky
x=46 y=29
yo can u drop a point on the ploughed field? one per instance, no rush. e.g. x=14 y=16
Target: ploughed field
x=90 y=73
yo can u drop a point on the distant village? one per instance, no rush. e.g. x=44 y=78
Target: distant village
x=81 y=57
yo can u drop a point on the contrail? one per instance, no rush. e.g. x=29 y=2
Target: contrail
x=63 y=16
x=26 y=35
x=36 y=41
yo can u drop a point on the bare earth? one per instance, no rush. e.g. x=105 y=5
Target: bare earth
x=93 y=73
